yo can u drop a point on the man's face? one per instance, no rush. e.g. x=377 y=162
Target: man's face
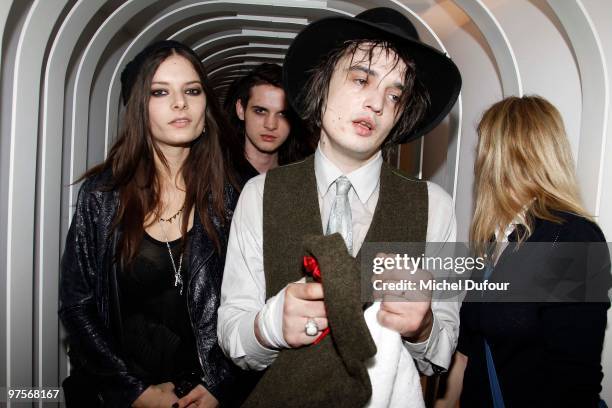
x=362 y=105
x=265 y=121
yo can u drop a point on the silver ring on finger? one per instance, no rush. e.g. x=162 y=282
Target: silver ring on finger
x=310 y=328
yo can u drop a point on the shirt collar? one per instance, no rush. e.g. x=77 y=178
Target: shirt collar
x=519 y=219
x=364 y=180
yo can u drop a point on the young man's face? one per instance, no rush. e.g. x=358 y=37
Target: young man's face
x=265 y=121
x=362 y=105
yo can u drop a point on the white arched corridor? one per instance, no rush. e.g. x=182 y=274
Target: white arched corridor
x=60 y=103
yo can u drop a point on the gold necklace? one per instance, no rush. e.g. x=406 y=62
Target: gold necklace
x=171 y=219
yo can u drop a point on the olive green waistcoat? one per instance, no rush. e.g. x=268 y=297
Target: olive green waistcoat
x=333 y=372
x=291 y=211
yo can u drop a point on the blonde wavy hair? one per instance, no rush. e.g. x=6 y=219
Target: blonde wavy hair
x=523 y=167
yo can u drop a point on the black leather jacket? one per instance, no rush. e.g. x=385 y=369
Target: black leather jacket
x=89 y=301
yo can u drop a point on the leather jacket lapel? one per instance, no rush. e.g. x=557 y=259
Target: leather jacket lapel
x=201 y=248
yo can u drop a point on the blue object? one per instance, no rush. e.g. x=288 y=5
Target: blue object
x=496 y=394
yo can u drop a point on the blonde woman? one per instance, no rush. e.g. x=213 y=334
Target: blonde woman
x=530 y=353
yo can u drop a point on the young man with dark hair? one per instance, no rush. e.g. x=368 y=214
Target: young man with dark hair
x=362 y=83
x=269 y=130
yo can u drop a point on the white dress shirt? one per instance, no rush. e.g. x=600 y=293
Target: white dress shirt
x=243 y=291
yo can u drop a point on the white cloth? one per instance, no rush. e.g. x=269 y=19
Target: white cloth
x=243 y=291
x=394 y=377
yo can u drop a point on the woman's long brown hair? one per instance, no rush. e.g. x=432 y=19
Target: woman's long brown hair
x=206 y=171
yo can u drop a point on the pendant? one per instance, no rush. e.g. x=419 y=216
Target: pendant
x=178 y=281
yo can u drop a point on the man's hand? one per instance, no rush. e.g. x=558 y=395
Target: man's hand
x=157 y=396
x=199 y=397
x=407 y=312
x=302 y=301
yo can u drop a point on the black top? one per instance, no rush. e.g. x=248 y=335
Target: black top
x=158 y=336
x=545 y=354
x=90 y=306
x=247 y=173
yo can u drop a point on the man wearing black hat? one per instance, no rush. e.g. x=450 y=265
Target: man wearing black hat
x=364 y=84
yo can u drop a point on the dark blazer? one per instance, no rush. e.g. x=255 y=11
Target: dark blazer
x=545 y=354
x=89 y=301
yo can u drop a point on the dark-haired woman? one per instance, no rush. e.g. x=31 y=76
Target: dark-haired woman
x=144 y=256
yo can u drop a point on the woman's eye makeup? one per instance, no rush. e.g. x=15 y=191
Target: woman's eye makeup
x=158 y=92
x=193 y=91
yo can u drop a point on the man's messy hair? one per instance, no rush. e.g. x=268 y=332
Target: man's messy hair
x=413 y=103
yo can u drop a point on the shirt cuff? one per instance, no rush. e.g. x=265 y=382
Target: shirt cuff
x=271 y=321
x=429 y=354
x=257 y=356
x=419 y=350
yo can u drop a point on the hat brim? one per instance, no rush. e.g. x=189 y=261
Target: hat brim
x=437 y=72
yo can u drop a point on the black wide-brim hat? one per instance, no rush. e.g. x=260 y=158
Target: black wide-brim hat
x=436 y=71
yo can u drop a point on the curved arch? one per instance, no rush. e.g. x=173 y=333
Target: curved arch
x=5 y=8
x=277 y=23
x=244 y=57
x=454 y=118
x=50 y=180
x=494 y=34
x=151 y=31
x=29 y=60
x=84 y=73
x=238 y=67
x=241 y=50
x=595 y=97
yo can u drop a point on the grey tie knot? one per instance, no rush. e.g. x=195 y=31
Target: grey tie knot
x=343 y=185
